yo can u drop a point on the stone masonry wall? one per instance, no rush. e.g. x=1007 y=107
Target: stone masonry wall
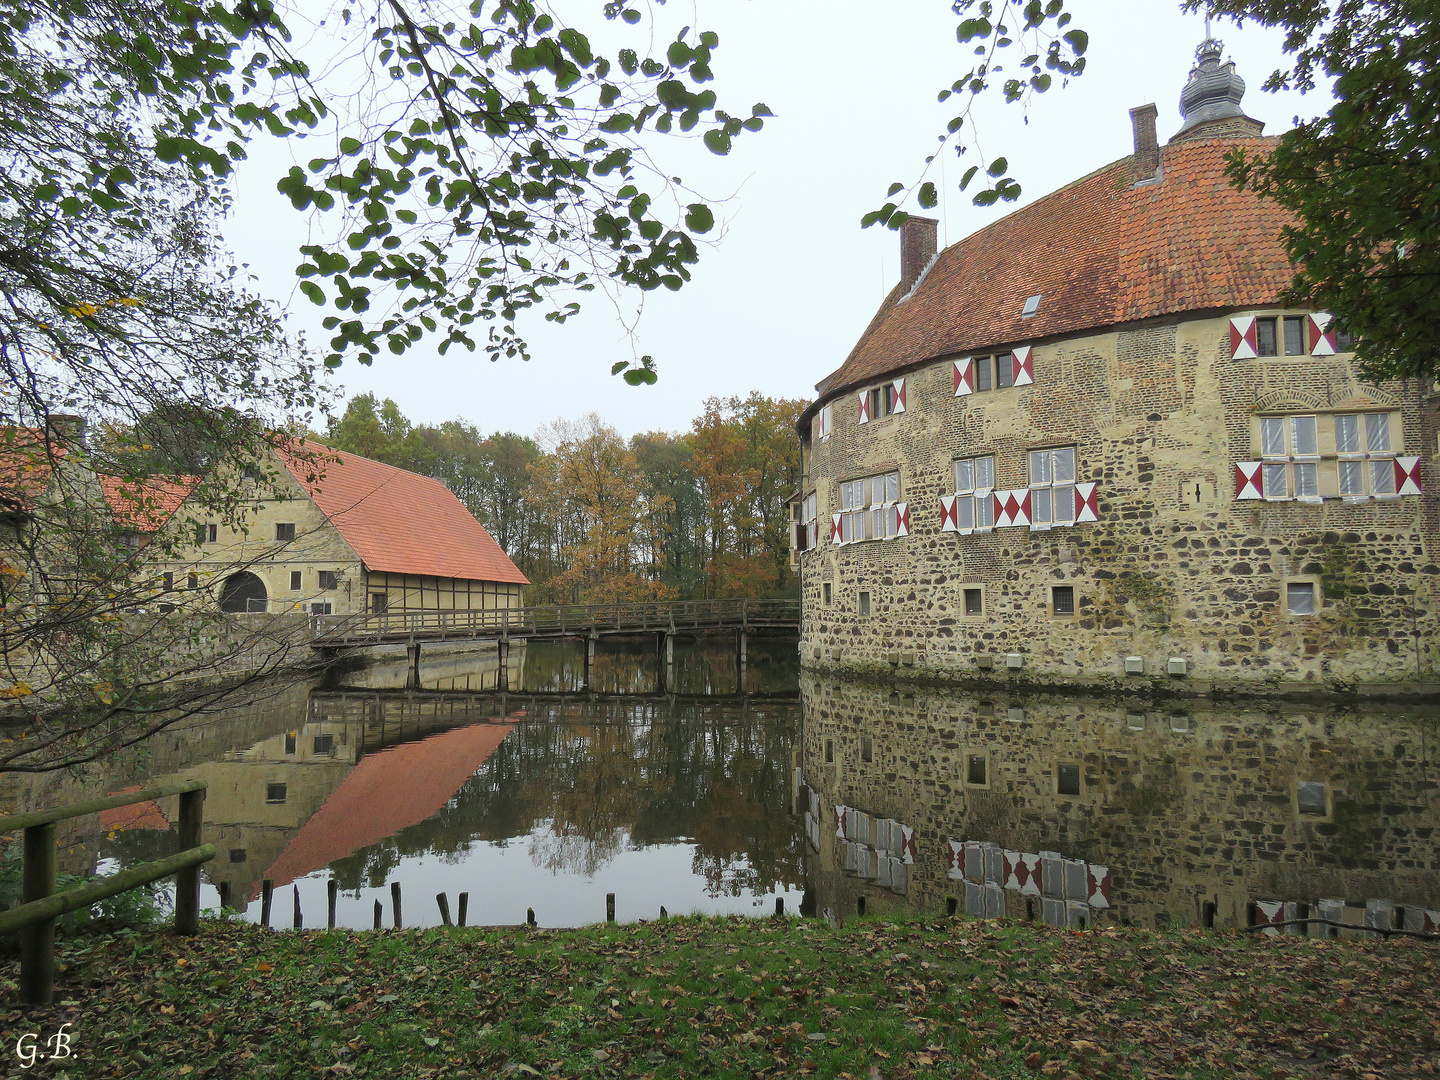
x=1175 y=566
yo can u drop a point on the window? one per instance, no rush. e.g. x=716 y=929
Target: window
x=329 y=579
x=284 y=531
x=975 y=770
x=974 y=602
x=320 y=609
x=192 y=580
x=290 y=742
x=1366 y=464
x=1295 y=336
x=1052 y=486
x=379 y=603
x=1300 y=598
x=867 y=748
x=1344 y=341
x=324 y=744
x=829 y=751
x=807 y=535
x=867 y=508
x=825 y=593
x=1265 y=344
x=238 y=855
x=820 y=425
x=1032 y=305
x=1067 y=779
x=167 y=581
x=1289 y=439
x=295 y=580
x=974 y=479
x=864 y=603
x=274 y=793
x=1310 y=798
x=882 y=401
x=1062 y=600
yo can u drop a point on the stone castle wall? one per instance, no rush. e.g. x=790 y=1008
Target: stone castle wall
x=1186 y=806
x=1175 y=565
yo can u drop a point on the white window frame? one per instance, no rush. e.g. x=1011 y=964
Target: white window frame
x=974 y=503
x=861 y=516
x=1316 y=599
x=1290 y=453
x=1052 y=486
x=1364 y=459
x=809 y=528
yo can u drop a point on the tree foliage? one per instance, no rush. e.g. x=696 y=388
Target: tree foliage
x=1363 y=181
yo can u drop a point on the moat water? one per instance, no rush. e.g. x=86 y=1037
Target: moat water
x=722 y=795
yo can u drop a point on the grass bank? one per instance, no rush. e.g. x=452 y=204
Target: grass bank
x=738 y=998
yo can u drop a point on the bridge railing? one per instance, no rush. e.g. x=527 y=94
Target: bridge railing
x=557 y=619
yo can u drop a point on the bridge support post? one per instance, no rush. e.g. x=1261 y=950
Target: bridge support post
x=502 y=673
x=740 y=643
x=590 y=640
x=412 y=659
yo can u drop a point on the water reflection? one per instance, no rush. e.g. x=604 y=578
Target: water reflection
x=1197 y=813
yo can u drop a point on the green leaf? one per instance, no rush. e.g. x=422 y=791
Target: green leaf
x=928 y=198
x=699 y=218
x=969 y=175
x=1078 y=40
x=350 y=146
x=998 y=167
x=717 y=141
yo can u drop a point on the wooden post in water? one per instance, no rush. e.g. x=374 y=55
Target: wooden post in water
x=502 y=673
x=779 y=907
x=267 y=889
x=663 y=913
x=332 y=890
x=395 y=902
x=464 y=904
x=299 y=921
x=444 y=902
x=609 y=907
x=37 y=941
x=530 y=916
x=412 y=661
x=187 y=882
x=379 y=913
x=740 y=643
x=590 y=640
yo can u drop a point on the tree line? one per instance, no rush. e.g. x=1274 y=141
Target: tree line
x=591 y=517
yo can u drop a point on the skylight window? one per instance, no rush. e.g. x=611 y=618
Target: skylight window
x=1032 y=305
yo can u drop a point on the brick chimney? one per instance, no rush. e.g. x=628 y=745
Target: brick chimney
x=66 y=428
x=1147 y=149
x=917 y=248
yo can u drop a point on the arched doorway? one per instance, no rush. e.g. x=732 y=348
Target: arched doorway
x=243 y=592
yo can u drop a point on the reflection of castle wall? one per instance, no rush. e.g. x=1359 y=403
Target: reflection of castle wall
x=1185 y=808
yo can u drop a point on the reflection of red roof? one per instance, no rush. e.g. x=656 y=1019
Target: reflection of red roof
x=145 y=505
x=27 y=461
x=143 y=815
x=388 y=791
x=399 y=522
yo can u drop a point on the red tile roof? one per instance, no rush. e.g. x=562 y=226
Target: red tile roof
x=388 y=791
x=1099 y=252
x=398 y=522
x=145 y=505
x=27 y=461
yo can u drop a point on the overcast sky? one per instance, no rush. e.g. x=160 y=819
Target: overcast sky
x=780 y=300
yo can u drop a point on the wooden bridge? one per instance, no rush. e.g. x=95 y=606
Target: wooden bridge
x=587 y=622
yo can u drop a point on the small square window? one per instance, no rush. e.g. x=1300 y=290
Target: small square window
x=290 y=742
x=324 y=744
x=284 y=531
x=984 y=373
x=168 y=581
x=1311 y=798
x=974 y=602
x=1344 y=341
x=329 y=579
x=1004 y=370
x=825 y=590
x=1062 y=599
x=975 y=770
x=1300 y=598
x=212 y=533
x=192 y=581
x=238 y=855
x=1067 y=779
x=379 y=603
x=867 y=748
x=829 y=751
x=1295 y=335
x=320 y=609
x=296 y=579
x=864 y=603
x=274 y=793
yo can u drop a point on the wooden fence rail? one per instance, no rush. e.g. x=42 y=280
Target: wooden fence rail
x=40 y=905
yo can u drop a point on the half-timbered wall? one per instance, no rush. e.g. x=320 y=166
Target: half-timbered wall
x=1162 y=556
x=409 y=592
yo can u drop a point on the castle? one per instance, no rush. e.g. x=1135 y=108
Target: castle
x=1084 y=446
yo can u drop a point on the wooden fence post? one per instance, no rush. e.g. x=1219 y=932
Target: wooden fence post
x=443 y=901
x=379 y=913
x=187 y=882
x=299 y=921
x=37 y=942
x=224 y=897
x=395 y=902
x=464 y=904
x=332 y=890
x=609 y=907
x=267 y=892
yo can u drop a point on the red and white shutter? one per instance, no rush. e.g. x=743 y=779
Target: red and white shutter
x=899 y=385
x=964 y=377
x=863 y=401
x=1029 y=874
x=1097 y=884
x=1087 y=505
x=1407 y=476
x=1269 y=912
x=840 y=812
x=1024 y=366
x=1012 y=507
x=949 y=515
x=902 y=518
x=835 y=528
x=907 y=844
x=1013 y=869
x=1322 y=342
x=1249 y=480
x=954 y=859
x=1242 y=338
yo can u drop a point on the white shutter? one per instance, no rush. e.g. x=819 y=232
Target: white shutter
x=1242 y=338
x=964 y=377
x=899 y=386
x=863 y=402
x=1024 y=366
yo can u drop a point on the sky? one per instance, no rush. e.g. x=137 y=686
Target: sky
x=781 y=297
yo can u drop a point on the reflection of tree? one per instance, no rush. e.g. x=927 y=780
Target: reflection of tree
x=593 y=778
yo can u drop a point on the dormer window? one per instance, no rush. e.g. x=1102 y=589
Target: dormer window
x=1032 y=305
